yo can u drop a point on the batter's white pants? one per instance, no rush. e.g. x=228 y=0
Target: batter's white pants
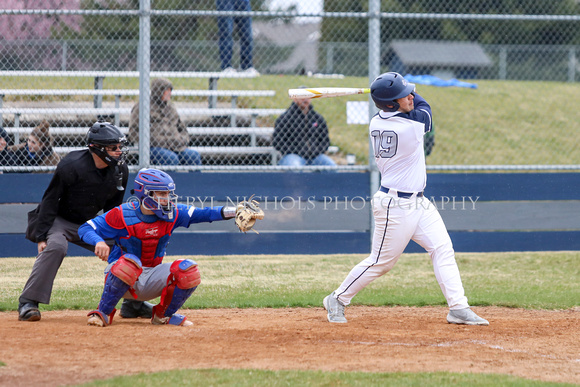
x=397 y=221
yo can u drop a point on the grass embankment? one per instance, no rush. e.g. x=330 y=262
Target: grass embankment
x=500 y=122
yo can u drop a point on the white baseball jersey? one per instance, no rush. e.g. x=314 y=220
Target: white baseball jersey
x=403 y=213
x=398 y=146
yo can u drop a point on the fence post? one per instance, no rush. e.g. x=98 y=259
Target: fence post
x=329 y=58
x=64 y=55
x=571 y=64
x=502 y=63
x=374 y=70
x=98 y=98
x=144 y=57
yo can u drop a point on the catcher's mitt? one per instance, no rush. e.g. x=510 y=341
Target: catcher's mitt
x=247 y=213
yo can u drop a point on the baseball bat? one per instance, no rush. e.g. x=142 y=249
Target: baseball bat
x=325 y=92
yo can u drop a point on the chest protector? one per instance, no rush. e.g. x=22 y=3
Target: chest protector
x=147 y=241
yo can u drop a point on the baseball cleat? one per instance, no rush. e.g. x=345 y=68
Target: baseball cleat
x=176 y=319
x=136 y=309
x=95 y=320
x=28 y=312
x=335 y=309
x=465 y=316
x=98 y=318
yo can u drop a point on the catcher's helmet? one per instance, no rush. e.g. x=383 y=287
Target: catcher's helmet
x=388 y=87
x=103 y=134
x=146 y=183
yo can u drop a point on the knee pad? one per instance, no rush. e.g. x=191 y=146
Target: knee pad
x=185 y=274
x=127 y=269
x=181 y=283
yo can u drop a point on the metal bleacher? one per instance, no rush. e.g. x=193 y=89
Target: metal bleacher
x=242 y=122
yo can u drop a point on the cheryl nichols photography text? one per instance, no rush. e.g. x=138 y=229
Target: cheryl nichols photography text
x=333 y=203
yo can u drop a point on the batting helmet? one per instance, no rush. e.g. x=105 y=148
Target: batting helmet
x=388 y=87
x=147 y=182
x=103 y=134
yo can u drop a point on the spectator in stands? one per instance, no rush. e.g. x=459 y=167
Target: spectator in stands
x=37 y=151
x=6 y=155
x=243 y=26
x=301 y=135
x=169 y=137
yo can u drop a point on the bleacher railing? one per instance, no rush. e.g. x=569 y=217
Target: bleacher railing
x=314 y=42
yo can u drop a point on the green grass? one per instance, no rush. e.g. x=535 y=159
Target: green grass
x=243 y=378
x=534 y=280
x=501 y=122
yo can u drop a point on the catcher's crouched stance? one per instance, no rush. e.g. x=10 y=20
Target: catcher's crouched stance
x=142 y=231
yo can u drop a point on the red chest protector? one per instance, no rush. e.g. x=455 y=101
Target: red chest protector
x=148 y=241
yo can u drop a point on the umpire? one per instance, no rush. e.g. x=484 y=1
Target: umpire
x=84 y=183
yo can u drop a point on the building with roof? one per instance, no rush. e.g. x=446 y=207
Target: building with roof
x=444 y=59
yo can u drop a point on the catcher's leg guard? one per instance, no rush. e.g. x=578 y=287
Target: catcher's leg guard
x=119 y=279
x=181 y=283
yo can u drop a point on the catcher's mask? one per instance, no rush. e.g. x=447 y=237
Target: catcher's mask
x=147 y=185
x=388 y=87
x=102 y=135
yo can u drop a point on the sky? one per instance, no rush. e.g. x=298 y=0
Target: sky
x=304 y=6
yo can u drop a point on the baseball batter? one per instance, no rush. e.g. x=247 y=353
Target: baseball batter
x=400 y=210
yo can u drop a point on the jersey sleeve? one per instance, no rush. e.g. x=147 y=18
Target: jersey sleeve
x=422 y=112
x=107 y=226
x=191 y=214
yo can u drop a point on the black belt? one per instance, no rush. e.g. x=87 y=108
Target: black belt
x=404 y=195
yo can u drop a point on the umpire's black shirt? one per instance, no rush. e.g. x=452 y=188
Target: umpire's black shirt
x=78 y=191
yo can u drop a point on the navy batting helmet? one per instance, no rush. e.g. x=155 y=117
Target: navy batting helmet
x=388 y=87
x=146 y=183
x=103 y=134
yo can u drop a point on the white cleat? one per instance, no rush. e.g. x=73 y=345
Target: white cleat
x=251 y=71
x=95 y=320
x=229 y=70
x=465 y=316
x=335 y=309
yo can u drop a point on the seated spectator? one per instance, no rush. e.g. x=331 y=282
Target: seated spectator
x=37 y=151
x=6 y=155
x=301 y=135
x=168 y=135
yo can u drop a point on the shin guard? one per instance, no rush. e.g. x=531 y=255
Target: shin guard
x=119 y=279
x=181 y=283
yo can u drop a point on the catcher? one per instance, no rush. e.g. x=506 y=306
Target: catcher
x=142 y=231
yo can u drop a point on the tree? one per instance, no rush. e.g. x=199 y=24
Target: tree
x=25 y=39
x=20 y=27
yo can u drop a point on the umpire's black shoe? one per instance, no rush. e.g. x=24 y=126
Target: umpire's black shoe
x=28 y=312
x=136 y=309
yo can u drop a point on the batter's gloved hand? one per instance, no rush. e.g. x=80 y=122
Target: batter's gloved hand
x=247 y=213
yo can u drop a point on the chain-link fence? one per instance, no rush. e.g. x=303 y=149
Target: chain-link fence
x=64 y=64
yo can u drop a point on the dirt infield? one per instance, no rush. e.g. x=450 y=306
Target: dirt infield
x=61 y=349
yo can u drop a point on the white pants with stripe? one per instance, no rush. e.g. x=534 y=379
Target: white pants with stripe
x=397 y=221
